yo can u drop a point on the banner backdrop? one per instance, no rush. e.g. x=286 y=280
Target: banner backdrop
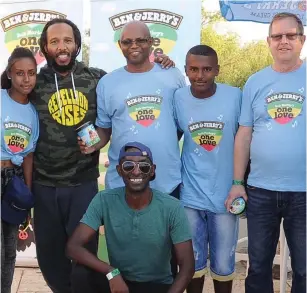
x=22 y=23
x=174 y=25
x=21 y=26
x=261 y=11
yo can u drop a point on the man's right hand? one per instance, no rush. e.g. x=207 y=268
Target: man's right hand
x=118 y=285
x=84 y=149
x=235 y=192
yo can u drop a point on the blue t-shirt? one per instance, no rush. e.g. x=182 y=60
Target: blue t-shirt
x=209 y=127
x=274 y=105
x=19 y=129
x=139 y=107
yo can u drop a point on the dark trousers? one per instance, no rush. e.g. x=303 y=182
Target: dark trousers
x=265 y=209
x=57 y=212
x=102 y=286
x=9 y=234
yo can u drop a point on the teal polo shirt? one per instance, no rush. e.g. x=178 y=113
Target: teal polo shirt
x=139 y=242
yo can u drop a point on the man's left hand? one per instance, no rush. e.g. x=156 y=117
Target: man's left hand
x=164 y=61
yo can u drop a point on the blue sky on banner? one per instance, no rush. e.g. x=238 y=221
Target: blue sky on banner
x=261 y=11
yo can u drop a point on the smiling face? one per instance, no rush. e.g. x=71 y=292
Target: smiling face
x=23 y=75
x=136 y=43
x=61 y=46
x=285 y=41
x=136 y=171
x=201 y=71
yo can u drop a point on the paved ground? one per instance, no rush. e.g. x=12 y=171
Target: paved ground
x=29 y=280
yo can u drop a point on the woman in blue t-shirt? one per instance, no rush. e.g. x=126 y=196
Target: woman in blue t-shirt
x=19 y=134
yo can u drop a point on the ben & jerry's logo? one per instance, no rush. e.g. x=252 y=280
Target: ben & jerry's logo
x=144 y=109
x=207 y=134
x=16 y=136
x=24 y=28
x=284 y=107
x=163 y=26
x=66 y=108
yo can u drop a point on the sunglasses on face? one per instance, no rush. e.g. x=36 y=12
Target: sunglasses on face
x=290 y=36
x=138 y=42
x=129 y=166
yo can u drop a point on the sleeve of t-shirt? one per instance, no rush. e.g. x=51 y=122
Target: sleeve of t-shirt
x=246 y=116
x=179 y=225
x=103 y=119
x=93 y=216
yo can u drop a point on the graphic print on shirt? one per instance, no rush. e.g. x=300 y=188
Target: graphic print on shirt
x=66 y=108
x=144 y=110
x=207 y=134
x=284 y=107
x=16 y=136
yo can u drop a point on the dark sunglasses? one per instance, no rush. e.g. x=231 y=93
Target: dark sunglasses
x=138 y=42
x=129 y=166
x=290 y=36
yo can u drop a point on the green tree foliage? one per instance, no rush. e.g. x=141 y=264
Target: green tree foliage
x=237 y=62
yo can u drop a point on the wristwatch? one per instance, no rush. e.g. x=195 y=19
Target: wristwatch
x=237 y=182
x=113 y=274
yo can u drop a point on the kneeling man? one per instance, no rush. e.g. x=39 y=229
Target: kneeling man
x=141 y=225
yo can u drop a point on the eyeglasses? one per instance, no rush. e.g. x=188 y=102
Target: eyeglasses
x=129 y=166
x=290 y=36
x=138 y=42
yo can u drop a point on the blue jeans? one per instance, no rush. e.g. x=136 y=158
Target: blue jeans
x=220 y=232
x=265 y=209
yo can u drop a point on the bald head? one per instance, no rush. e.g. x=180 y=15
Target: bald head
x=137 y=27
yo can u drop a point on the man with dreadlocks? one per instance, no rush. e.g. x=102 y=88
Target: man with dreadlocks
x=65 y=180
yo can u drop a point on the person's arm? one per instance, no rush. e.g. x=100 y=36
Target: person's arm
x=77 y=252
x=27 y=167
x=85 y=231
x=241 y=157
x=185 y=260
x=242 y=144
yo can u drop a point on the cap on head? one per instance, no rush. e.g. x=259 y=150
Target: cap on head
x=144 y=151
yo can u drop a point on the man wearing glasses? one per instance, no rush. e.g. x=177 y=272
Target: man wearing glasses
x=141 y=225
x=272 y=134
x=135 y=103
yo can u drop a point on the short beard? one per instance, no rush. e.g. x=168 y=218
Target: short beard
x=62 y=68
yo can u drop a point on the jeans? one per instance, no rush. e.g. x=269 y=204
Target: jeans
x=9 y=234
x=265 y=210
x=220 y=233
x=57 y=212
